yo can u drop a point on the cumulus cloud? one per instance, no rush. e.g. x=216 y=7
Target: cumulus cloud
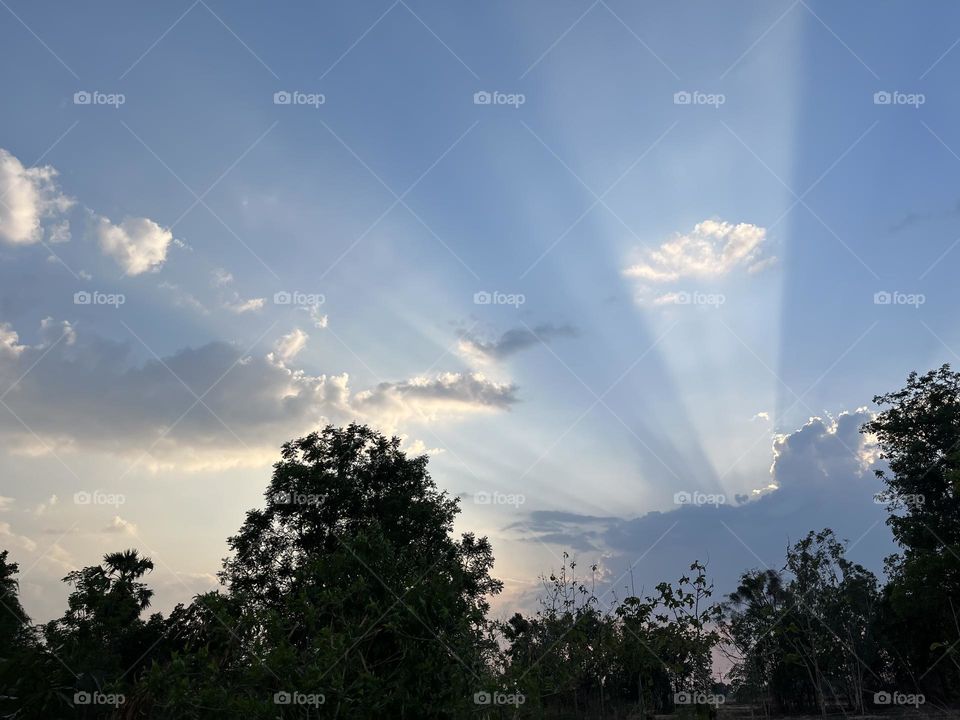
x=238 y=305
x=28 y=196
x=428 y=397
x=713 y=249
x=138 y=245
x=95 y=395
x=290 y=345
x=511 y=342
x=820 y=477
x=119 y=525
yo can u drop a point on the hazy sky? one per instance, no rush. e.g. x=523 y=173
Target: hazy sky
x=588 y=256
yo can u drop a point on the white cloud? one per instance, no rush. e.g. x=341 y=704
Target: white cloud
x=220 y=277
x=119 y=525
x=713 y=249
x=138 y=245
x=6 y=503
x=319 y=319
x=238 y=305
x=95 y=396
x=29 y=196
x=290 y=345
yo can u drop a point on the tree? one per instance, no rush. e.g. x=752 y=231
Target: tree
x=919 y=436
x=348 y=585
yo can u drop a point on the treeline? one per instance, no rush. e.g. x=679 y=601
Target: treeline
x=348 y=595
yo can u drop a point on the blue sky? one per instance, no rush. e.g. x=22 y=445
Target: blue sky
x=689 y=289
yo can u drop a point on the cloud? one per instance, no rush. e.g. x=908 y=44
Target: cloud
x=220 y=277
x=119 y=525
x=510 y=342
x=426 y=398
x=95 y=395
x=183 y=298
x=713 y=249
x=138 y=245
x=28 y=196
x=238 y=305
x=290 y=345
x=820 y=477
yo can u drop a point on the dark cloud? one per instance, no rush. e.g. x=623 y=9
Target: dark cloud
x=824 y=476
x=513 y=340
x=212 y=404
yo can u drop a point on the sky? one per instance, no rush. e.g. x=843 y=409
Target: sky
x=630 y=273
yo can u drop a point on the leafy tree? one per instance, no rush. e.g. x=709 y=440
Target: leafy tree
x=348 y=585
x=919 y=435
